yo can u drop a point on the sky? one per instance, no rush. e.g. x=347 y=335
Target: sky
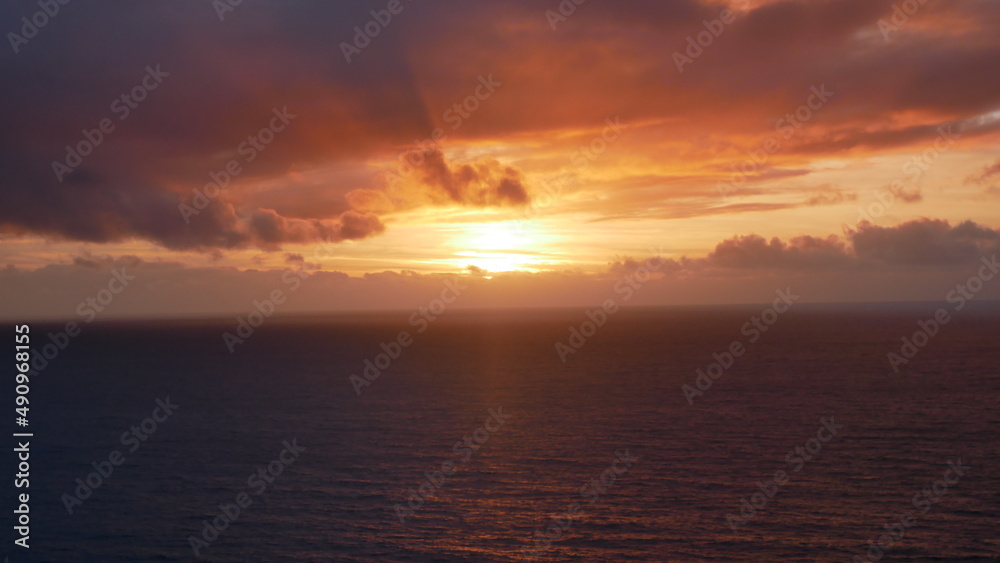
x=537 y=152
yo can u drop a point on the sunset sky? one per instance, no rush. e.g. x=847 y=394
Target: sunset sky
x=533 y=152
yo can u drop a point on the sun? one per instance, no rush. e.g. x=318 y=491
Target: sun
x=503 y=246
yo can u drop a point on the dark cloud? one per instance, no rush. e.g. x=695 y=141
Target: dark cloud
x=657 y=265
x=802 y=252
x=925 y=241
x=299 y=261
x=484 y=182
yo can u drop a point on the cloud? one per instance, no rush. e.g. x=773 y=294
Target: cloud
x=925 y=242
x=427 y=178
x=608 y=59
x=299 y=261
x=628 y=265
x=481 y=183
x=986 y=175
x=754 y=251
x=907 y=196
x=829 y=195
x=922 y=242
x=917 y=260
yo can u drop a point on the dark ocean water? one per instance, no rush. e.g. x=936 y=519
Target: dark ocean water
x=621 y=392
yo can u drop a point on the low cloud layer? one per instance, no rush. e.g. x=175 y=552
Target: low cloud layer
x=915 y=261
x=924 y=242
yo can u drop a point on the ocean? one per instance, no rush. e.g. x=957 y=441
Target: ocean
x=477 y=442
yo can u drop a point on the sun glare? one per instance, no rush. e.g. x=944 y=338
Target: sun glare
x=498 y=247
